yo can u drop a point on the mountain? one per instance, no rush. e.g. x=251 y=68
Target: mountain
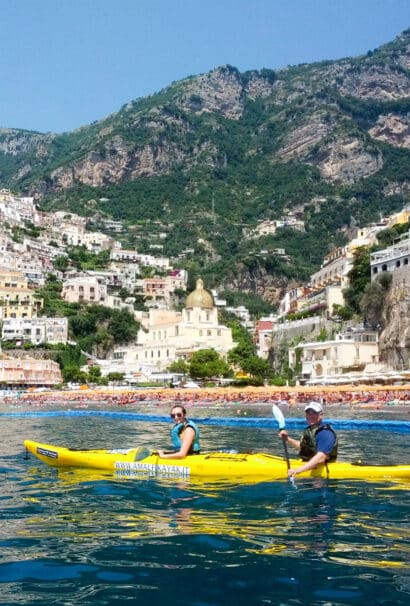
x=198 y=165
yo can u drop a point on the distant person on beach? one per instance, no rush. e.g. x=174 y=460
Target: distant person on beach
x=184 y=435
x=318 y=443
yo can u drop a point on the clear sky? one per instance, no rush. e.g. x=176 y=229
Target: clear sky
x=66 y=63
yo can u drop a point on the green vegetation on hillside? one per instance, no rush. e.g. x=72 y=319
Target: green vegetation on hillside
x=213 y=174
x=95 y=328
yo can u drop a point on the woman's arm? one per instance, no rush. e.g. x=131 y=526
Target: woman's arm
x=188 y=437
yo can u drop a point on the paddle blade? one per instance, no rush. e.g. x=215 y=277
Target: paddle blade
x=277 y=413
x=142 y=452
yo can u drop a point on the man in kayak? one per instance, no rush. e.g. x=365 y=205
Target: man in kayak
x=318 y=443
x=184 y=435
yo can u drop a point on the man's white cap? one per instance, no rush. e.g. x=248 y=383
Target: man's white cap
x=316 y=406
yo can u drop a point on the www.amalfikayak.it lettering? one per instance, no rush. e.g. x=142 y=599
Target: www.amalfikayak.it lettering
x=177 y=470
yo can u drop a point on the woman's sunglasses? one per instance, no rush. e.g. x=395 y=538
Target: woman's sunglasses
x=177 y=415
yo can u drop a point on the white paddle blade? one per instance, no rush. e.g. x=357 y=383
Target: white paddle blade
x=142 y=452
x=277 y=413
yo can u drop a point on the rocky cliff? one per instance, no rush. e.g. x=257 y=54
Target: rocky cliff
x=395 y=339
x=153 y=136
x=215 y=154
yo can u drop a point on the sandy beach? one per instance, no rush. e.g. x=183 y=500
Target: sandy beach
x=361 y=396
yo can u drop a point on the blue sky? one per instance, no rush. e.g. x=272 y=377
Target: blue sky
x=66 y=63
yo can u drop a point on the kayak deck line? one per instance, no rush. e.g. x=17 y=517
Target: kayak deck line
x=215 y=465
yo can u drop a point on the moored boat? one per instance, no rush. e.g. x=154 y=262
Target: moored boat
x=140 y=461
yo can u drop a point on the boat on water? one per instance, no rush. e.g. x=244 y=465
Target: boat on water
x=142 y=462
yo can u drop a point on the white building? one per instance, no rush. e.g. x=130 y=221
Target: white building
x=85 y=288
x=169 y=336
x=127 y=256
x=392 y=258
x=243 y=314
x=334 y=269
x=17 y=210
x=36 y=330
x=349 y=351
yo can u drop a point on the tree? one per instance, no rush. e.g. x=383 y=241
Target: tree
x=359 y=277
x=242 y=352
x=257 y=367
x=116 y=377
x=97 y=328
x=123 y=326
x=208 y=364
x=94 y=374
x=341 y=313
x=73 y=374
x=322 y=336
x=53 y=304
x=179 y=367
x=61 y=262
x=124 y=293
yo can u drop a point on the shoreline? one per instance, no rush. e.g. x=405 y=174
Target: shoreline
x=360 y=396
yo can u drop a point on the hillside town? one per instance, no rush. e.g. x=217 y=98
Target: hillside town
x=31 y=241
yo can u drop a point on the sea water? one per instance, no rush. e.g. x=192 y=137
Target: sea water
x=81 y=537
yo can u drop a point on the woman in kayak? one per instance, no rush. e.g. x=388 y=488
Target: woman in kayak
x=318 y=443
x=184 y=435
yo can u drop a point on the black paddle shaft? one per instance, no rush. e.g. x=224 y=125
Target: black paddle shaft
x=285 y=446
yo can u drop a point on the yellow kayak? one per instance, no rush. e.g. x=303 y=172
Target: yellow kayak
x=139 y=461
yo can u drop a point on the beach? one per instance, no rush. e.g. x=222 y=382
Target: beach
x=361 y=396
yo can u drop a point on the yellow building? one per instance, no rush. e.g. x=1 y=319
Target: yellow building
x=16 y=299
x=400 y=218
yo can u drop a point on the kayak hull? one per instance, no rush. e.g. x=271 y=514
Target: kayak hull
x=138 y=461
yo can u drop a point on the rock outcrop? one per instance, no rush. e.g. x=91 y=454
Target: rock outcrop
x=393 y=129
x=395 y=339
x=188 y=123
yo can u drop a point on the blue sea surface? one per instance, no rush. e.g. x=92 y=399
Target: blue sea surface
x=73 y=537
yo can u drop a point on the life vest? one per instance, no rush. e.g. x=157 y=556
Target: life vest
x=308 y=442
x=176 y=432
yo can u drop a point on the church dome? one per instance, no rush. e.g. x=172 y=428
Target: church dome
x=200 y=297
